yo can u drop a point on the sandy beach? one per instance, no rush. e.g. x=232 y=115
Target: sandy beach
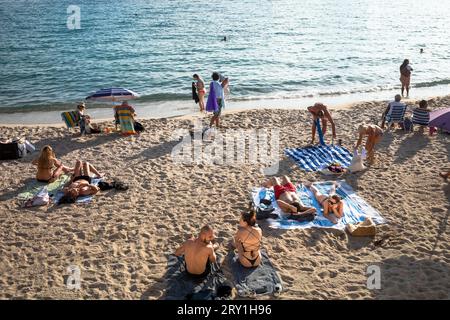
x=120 y=241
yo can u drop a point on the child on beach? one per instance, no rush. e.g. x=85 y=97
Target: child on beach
x=49 y=167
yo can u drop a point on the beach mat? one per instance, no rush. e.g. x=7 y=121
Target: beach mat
x=251 y=282
x=83 y=199
x=33 y=187
x=315 y=158
x=356 y=209
x=182 y=286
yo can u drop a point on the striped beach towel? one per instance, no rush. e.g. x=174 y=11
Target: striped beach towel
x=356 y=209
x=315 y=158
x=125 y=116
x=71 y=118
x=421 y=117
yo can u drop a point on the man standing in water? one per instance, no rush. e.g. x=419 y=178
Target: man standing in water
x=405 y=76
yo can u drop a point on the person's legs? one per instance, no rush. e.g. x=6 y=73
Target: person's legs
x=285 y=180
x=86 y=169
x=370 y=149
x=286 y=207
x=201 y=101
x=92 y=169
x=319 y=196
x=313 y=132
x=324 y=126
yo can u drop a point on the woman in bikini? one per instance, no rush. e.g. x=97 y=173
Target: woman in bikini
x=49 y=167
x=374 y=134
x=247 y=240
x=81 y=182
x=201 y=91
x=331 y=204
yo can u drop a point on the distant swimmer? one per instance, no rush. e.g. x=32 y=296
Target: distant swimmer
x=421 y=50
x=224 y=38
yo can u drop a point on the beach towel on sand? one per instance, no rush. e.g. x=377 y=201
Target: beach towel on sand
x=71 y=118
x=355 y=208
x=32 y=188
x=315 y=158
x=126 y=121
x=182 y=286
x=262 y=280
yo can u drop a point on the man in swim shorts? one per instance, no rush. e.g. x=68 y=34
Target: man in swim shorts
x=286 y=196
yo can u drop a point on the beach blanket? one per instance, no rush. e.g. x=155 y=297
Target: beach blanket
x=316 y=158
x=126 y=121
x=182 y=286
x=71 y=118
x=83 y=199
x=355 y=208
x=32 y=188
x=262 y=280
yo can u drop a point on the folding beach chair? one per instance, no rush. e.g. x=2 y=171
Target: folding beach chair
x=397 y=115
x=71 y=119
x=125 y=116
x=421 y=117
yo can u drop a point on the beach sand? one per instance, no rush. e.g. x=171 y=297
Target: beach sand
x=121 y=240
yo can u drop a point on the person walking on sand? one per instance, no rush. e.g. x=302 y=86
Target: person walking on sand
x=320 y=112
x=374 y=134
x=247 y=240
x=405 y=76
x=46 y=162
x=216 y=98
x=201 y=91
x=199 y=253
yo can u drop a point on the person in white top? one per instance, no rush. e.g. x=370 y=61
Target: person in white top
x=387 y=112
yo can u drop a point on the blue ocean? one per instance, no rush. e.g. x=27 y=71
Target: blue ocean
x=274 y=49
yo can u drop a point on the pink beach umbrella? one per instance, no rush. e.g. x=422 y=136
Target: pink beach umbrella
x=440 y=119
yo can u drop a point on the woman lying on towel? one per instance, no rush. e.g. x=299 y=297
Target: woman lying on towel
x=247 y=240
x=287 y=198
x=333 y=205
x=81 y=183
x=49 y=167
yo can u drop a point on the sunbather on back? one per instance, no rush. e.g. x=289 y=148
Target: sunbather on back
x=331 y=204
x=286 y=196
x=247 y=240
x=81 y=182
x=199 y=253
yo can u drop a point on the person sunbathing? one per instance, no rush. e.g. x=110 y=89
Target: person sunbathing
x=286 y=197
x=333 y=205
x=199 y=253
x=374 y=134
x=247 y=240
x=81 y=182
x=49 y=167
x=320 y=112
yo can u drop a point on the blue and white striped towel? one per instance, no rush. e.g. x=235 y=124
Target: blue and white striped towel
x=315 y=158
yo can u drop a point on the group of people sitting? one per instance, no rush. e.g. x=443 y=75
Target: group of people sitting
x=49 y=169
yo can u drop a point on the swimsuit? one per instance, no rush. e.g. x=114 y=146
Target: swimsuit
x=87 y=178
x=202 y=275
x=252 y=261
x=42 y=180
x=280 y=189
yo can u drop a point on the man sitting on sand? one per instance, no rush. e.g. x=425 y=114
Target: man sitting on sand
x=388 y=111
x=287 y=198
x=199 y=253
x=81 y=183
x=333 y=205
x=320 y=112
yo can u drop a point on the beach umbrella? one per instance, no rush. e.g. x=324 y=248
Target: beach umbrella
x=113 y=94
x=440 y=119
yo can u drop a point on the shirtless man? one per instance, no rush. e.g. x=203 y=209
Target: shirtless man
x=199 y=253
x=331 y=204
x=320 y=111
x=80 y=184
x=286 y=196
x=374 y=134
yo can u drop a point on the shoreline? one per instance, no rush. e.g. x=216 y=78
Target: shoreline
x=189 y=110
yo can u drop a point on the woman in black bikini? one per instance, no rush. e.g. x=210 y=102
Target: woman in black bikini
x=248 y=240
x=331 y=204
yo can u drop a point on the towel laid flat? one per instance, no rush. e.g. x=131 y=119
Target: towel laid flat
x=315 y=158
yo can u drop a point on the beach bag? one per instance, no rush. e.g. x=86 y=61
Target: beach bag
x=366 y=228
x=265 y=210
x=357 y=161
x=138 y=127
x=9 y=151
x=42 y=198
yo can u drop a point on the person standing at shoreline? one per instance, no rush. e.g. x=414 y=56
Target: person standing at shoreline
x=216 y=98
x=405 y=76
x=201 y=91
